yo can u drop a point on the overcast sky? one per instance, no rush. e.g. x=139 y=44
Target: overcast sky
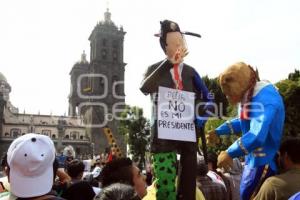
x=40 y=40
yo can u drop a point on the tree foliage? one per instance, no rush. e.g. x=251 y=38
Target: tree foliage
x=290 y=91
x=219 y=98
x=136 y=129
x=224 y=111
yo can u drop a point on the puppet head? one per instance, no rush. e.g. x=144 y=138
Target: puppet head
x=172 y=41
x=238 y=80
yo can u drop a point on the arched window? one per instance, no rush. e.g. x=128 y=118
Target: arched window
x=104 y=54
x=67 y=136
x=104 y=42
x=115 y=55
x=46 y=132
x=74 y=135
x=81 y=137
x=53 y=136
x=15 y=132
x=116 y=85
x=7 y=134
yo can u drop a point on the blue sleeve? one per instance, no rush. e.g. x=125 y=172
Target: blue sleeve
x=230 y=127
x=201 y=87
x=257 y=134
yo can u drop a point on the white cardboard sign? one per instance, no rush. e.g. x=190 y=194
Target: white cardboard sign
x=175 y=117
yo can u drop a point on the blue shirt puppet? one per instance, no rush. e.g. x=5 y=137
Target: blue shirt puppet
x=261 y=119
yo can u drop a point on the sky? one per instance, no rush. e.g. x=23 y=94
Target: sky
x=41 y=40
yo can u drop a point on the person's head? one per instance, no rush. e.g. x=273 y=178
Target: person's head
x=212 y=160
x=202 y=168
x=289 y=156
x=69 y=152
x=75 y=169
x=122 y=170
x=119 y=191
x=79 y=190
x=236 y=80
x=30 y=161
x=172 y=41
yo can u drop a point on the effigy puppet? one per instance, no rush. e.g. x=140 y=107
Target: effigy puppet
x=175 y=89
x=260 y=119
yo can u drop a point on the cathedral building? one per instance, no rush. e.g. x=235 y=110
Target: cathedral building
x=96 y=99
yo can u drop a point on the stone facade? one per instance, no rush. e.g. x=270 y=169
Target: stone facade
x=63 y=130
x=97 y=88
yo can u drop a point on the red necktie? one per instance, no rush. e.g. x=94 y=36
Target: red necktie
x=244 y=112
x=178 y=81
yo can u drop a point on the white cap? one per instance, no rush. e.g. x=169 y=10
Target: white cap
x=96 y=172
x=30 y=159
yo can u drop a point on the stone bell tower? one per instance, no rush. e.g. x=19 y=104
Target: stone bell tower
x=98 y=87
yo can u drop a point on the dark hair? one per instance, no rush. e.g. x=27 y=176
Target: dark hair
x=202 y=168
x=55 y=168
x=166 y=26
x=119 y=191
x=78 y=191
x=74 y=168
x=213 y=158
x=118 y=170
x=291 y=147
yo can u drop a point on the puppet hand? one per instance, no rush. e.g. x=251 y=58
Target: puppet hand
x=212 y=138
x=184 y=52
x=224 y=160
x=178 y=56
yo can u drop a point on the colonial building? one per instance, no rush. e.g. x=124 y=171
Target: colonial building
x=63 y=130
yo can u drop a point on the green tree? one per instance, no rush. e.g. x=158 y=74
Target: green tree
x=218 y=97
x=136 y=128
x=295 y=76
x=224 y=111
x=290 y=91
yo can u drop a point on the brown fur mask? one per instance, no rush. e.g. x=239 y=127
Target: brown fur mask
x=236 y=80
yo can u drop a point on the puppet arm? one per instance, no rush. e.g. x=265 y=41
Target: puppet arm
x=229 y=127
x=150 y=82
x=257 y=134
x=208 y=108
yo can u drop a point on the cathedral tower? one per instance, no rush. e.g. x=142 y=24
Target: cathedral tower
x=97 y=88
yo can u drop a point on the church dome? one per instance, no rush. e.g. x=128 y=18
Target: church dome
x=2 y=77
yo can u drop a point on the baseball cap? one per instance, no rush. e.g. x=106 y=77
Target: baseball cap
x=30 y=159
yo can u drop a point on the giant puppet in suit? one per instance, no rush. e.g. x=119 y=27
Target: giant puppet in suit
x=260 y=120
x=176 y=79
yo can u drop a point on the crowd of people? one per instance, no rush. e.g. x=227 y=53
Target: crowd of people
x=270 y=169
x=32 y=172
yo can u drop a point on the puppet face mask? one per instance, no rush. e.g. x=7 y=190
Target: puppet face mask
x=175 y=47
x=234 y=82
